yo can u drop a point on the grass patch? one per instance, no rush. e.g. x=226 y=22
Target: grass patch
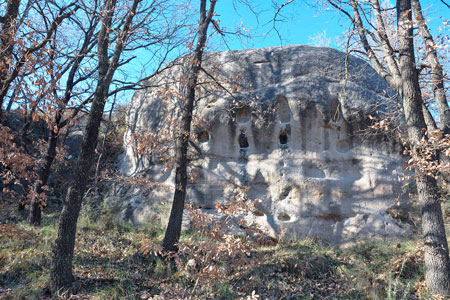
x=110 y=264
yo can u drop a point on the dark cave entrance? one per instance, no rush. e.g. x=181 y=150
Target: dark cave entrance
x=243 y=142
x=283 y=137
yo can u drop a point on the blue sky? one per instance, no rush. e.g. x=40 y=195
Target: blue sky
x=302 y=22
x=299 y=23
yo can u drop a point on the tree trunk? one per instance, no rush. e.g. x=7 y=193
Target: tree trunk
x=35 y=211
x=61 y=267
x=435 y=239
x=11 y=101
x=438 y=84
x=436 y=69
x=8 y=29
x=436 y=248
x=429 y=121
x=45 y=169
x=173 y=231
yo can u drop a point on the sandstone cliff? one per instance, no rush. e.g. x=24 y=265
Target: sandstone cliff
x=288 y=122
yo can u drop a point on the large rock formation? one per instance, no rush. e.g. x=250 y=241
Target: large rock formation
x=289 y=123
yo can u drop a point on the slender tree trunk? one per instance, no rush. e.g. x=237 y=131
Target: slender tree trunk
x=61 y=267
x=11 y=101
x=46 y=167
x=8 y=29
x=173 y=231
x=36 y=206
x=417 y=121
x=436 y=249
x=438 y=84
x=436 y=68
x=429 y=121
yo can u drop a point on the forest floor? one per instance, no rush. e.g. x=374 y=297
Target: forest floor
x=116 y=261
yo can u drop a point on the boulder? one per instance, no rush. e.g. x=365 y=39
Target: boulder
x=290 y=123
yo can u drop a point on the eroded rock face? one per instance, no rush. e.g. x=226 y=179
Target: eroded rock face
x=289 y=126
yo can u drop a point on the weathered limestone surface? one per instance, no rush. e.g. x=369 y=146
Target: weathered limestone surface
x=291 y=132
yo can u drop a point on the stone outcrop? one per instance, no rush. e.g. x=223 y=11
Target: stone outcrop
x=288 y=122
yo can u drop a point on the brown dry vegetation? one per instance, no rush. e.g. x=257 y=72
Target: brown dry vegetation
x=116 y=261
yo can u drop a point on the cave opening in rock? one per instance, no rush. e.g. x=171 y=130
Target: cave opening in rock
x=284 y=217
x=243 y=142
x=283 y=137
x=203 y=136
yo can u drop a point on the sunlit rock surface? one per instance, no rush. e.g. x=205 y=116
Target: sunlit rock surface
x=290 y=126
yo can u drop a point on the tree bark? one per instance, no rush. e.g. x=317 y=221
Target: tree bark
x=429 y=121
x=61 y=267
x=436 y=249
x=35 y=215
x=391 y=79
x=7 y=44
x=436 y=68
x=45 y=169
x=391 y=61
x=438 y=84
x=173 y=231
x=418 y=120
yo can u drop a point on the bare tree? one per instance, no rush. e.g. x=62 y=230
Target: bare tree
x=433 y=230
x=153 y=30
x=127 y=27
x=87 y=24
x=24 y=51
x=14 y=60
x=61 y=267
x=173 y=231
x=397 y=64
x=8 y=31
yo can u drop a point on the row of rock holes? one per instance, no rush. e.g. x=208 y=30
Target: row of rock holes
x=203 y=137
x=243 y=142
